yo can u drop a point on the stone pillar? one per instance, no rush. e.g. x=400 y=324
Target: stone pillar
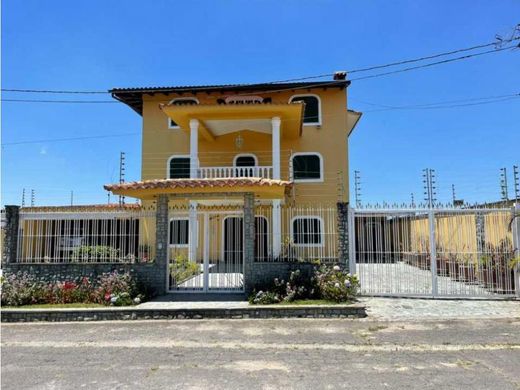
x=161 y=243
x=343 y=235
x=12 y=218
x=249 y=241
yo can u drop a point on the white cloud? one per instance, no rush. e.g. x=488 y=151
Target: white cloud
x=43 y=150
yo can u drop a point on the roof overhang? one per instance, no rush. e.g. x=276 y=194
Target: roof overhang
x=207 y=188
x=353 y=118
x=220 y=119
x=133 y=97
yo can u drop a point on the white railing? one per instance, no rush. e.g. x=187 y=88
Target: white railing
x=225 y=172
x=86 y=237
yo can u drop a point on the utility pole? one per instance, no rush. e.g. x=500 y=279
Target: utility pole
x=71 y=198
x=516 y=180
x=121 y=175
x=32 y=198
x=23 y=197
x=453 y=197
x=413 y=200
x=357 y=187
x=503 y=184
x=108 y=195
x=430 y=189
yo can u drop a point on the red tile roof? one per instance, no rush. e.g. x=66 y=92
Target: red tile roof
x=196 y=183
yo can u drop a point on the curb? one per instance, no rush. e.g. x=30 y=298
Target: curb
x=111 y=314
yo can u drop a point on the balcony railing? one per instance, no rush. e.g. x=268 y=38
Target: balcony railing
x=265 y=172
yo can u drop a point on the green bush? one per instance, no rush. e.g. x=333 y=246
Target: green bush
x=335 y=284
x=328 y=283
x=94 y=252
x=110 y=289
x=183 y=269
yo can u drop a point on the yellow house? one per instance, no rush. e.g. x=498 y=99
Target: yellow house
x=205 y=147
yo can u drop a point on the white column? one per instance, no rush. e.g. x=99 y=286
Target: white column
x=277 y=228
x=275 y=123
x=194 y=147
x=193 y=231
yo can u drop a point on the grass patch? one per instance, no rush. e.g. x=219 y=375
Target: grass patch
x=57 y=306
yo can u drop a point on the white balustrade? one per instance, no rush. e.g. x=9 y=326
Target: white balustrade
x=265 y=172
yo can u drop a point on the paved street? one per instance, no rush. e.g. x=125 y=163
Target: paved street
x=264 y=354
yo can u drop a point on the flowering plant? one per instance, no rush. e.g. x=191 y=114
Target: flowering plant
x=335 y=284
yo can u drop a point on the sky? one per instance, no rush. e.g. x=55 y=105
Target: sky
x=98 y=45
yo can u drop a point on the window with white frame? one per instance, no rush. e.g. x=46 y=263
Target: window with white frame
x=179 y=167
x=307 y=231
x=180 y=102
x=307 y=167
x=179 y=232
x=312 y=111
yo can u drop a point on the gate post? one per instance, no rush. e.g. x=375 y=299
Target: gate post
x=352 y=240
x=12 y=222
x=433 y=252
x=249 y=241
x=515 y=229
x=161 y=243
x=343 y=233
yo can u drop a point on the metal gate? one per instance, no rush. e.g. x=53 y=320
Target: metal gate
x=435 y=252
x=206 y=252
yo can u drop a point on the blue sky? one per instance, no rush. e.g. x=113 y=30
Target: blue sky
x=96 y=45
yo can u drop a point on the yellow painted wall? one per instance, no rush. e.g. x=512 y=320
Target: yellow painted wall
x=329 y=139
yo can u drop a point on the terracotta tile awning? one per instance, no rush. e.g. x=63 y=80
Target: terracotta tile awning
x=150 y=188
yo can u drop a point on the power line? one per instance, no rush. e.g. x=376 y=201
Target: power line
x=433 y=63
x=413 y=60
x=67 y=139
x=402 y=62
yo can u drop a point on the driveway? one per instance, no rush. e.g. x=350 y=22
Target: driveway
x=263 y=354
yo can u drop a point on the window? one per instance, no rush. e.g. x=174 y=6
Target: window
x=179 y=168
x=307 y=167
x=307 y=231
x=245 y=160
x=180 y=102
x=312 y=112
x=179 y=232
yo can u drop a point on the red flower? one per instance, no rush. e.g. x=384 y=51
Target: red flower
x=107 y=297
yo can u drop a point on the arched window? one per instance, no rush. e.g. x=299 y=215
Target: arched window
x=180 y=102
x=179 y=167
x=245 y=160
x=307 y=167
x=312 y=112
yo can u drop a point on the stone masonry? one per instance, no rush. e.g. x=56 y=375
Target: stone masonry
x=343 y=255
x=249 y=240
x=12 y=218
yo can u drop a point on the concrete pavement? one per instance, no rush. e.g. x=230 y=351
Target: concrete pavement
x=263 y=354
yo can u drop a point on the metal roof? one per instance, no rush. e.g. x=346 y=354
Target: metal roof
x=133 y=97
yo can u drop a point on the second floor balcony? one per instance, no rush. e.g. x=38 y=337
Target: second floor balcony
x=264 y=172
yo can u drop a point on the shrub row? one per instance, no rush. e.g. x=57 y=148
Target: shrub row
x=112 y=288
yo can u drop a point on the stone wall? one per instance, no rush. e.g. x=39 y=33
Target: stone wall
x=146 y=274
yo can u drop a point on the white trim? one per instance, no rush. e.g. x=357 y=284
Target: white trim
x=177 y=100
x=322 y=233
x=245 y=155
x=169 y=232
x=175 y=156
x=318 y=123
x=291 y=167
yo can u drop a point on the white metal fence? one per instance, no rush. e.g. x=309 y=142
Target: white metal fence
x=435 y=252
x=86 y=236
